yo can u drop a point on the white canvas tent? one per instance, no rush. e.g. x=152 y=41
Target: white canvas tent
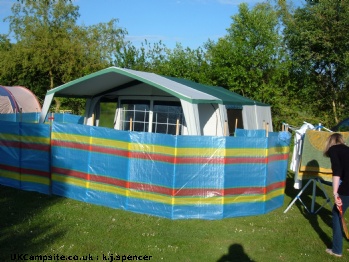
x=14 y=99
x=200 y=109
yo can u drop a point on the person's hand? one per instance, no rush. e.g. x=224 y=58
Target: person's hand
x=338 y=201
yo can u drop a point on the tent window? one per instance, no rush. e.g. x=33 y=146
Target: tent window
x=165 y=115
x=135 y=113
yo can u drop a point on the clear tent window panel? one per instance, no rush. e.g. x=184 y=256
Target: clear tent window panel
x=135 y=115
x=165 y=117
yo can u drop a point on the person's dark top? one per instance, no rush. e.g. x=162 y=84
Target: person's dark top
x=339 y=156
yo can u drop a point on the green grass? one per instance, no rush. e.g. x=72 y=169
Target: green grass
x=38 y=224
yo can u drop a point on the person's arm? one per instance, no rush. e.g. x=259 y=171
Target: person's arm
x=335 y=185
x=336 y=172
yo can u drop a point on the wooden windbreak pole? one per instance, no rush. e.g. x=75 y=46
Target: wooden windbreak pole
x=226 y=131
x=93 y=118
x=267 y=129
x=177 y=127
x=236 y=123
x=131 y=124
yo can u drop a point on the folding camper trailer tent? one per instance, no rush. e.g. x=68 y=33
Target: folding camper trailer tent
x=153 y=103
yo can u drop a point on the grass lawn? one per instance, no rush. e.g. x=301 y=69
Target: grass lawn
x=37 y=224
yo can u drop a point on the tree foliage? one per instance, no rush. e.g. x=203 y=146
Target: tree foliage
x=251 y=59
x=317 y=38
x=51 y=49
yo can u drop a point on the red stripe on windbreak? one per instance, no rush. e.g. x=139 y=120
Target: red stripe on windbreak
x=109 y=180
x=151 y=188
x=35 y=172
x=9 y=143
x=199 y=160
x=278 y=157
x=32 y=146
x=68 y=172
x=276 y=185
x=152 y=156
x=254 y=190
x=85 y=176
x=10 y=168
x=243 y=160
x=207 y=192
x=25 y=145
x=244 y=190
x=26 y=171
x=114 y=151
x=88 y=147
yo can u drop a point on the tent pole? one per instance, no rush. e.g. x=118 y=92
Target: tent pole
x=177 y=127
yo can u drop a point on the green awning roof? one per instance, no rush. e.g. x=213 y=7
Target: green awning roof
x=113 y=79
x=228 y=97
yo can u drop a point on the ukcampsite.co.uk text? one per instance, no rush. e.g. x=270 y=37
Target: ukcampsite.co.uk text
x=57 y=257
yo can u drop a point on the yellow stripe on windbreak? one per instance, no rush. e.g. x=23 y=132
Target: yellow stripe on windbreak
x=243 y=199
x=150 y=197
x=24 y=138
x=69 y=180
x=278 y=150
x=86 y=140
x=92 y=185
x=164 y=150
x=108 y=188
x=221 y=152
x=217 y=200
x=35 y=179
x=201 y=151
x=36 y=139
x=253 y=198
x=10 y=174
x=246 y=152
x=70 y=137
x=275 y=193
x=10 y=137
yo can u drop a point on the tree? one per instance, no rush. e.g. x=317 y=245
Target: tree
x=51 y=49
x=317 y=38
x=252 y=61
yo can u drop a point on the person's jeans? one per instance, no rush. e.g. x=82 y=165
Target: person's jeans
x=337 y=245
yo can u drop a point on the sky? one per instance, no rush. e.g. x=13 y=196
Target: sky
x=188 y=22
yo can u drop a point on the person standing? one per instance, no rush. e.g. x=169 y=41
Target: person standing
x=338 y=152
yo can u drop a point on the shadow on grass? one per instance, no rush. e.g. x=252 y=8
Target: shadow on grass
x=236 y=253
x=23 y=230
x=313 y=218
